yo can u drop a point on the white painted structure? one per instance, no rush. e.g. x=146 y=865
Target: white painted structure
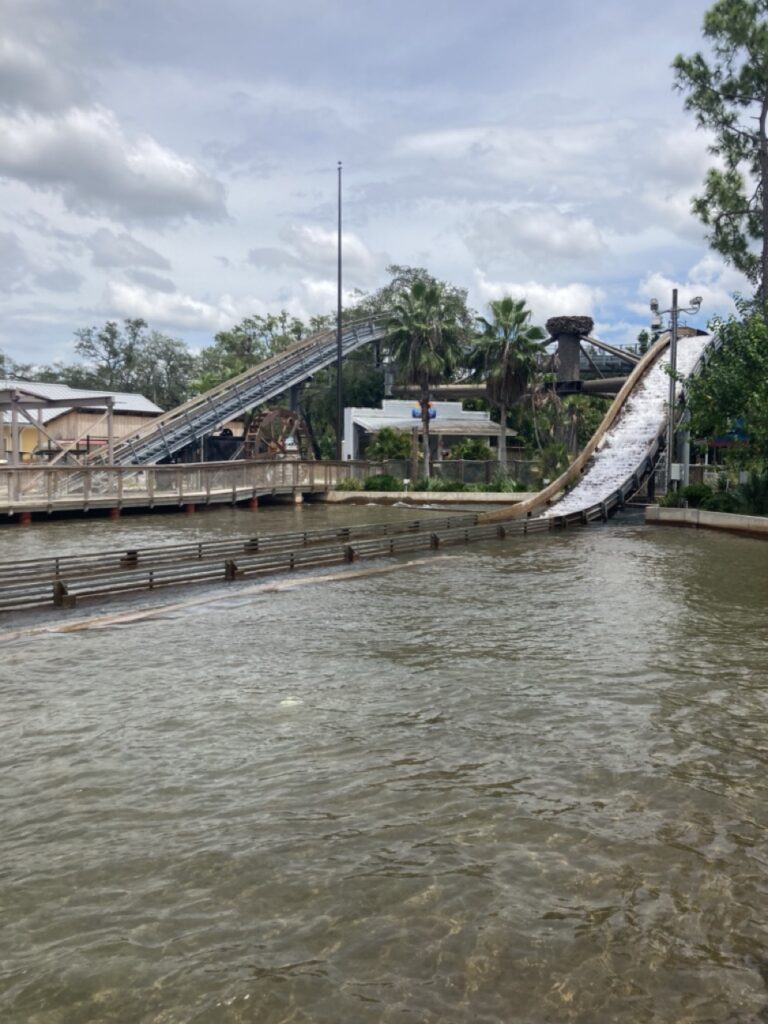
x=450 y=420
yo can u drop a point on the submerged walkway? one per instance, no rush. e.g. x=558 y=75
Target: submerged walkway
x=64 y=580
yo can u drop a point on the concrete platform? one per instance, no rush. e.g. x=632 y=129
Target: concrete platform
x=699 y=518
x=428 y=497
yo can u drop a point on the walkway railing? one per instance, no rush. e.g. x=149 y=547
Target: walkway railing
x=67 y=579
x=163 y=437
x=36 y=488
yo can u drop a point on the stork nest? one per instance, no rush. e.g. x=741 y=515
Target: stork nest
x=581 y=326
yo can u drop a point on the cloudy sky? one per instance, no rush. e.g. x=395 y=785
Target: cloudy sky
x=176 y=159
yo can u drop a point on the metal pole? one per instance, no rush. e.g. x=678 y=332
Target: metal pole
x=110 y=431
x=685 y=439
x=15 y=459
x=339 y=394
x=672 y=390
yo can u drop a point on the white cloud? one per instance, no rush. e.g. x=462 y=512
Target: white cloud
x=175 y=309
x=33 y=79
x=710 y=278
x=532 y=235
x=14 y=262
x=528 y=155
x=59 y=279
x=109 y=249
x=321 y=295
x=544 y=300
x=312 y=248
x=85 y=156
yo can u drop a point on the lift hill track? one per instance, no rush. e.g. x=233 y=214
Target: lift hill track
x=174 y=430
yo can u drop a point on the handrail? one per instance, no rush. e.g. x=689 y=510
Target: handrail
x=199 y=414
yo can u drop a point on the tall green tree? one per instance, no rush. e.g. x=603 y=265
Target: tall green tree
x=362 y=385
x=253 y=340
x=728 y=93
x=732 y=392
x=425 y=340
x=110 y=354
x=131 y=358
x=12 y=370
x=505 y=357
x=164 y=370
x=402 y=278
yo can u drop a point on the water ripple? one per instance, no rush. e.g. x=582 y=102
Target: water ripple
x=526 y=783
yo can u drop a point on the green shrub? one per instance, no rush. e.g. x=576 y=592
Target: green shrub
x=438 y=484
x=383 y=482
x=753 y=494
x=501 y=484
x=722 y=501
x=472 y=449
x=674 y=499
x=348 y=485
x=389 y=443
x=696 y=494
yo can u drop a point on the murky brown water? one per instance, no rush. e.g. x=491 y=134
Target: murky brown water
x=525 y=782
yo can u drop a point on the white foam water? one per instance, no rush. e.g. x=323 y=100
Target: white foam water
x=625 y=445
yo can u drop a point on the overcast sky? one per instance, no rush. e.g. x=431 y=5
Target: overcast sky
x=176 y=159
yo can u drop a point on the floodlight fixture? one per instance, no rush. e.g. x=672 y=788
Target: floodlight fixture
x=654 y=305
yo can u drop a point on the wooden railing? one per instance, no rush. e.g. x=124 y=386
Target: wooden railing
x=44 y=487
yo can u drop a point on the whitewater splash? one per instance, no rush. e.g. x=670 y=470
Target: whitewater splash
x=626 y=444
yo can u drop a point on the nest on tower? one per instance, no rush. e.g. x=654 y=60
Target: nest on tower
x=581 y=326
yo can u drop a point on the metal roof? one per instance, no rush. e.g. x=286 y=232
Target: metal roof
x=125 y=402
x=449 y=418
x=438 y=426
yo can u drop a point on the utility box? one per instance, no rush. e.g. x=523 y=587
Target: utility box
x=676 y=471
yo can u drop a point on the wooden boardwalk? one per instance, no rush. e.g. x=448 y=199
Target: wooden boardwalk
x=36 y=489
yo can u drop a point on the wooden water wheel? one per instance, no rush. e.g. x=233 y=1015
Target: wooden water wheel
x=277 y=433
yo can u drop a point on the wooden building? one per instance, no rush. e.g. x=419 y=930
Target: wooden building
x=49 y=419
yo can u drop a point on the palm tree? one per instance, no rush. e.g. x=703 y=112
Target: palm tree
x=505 y=357
x=424 y=338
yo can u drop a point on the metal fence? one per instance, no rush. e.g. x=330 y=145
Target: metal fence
x=468 y=471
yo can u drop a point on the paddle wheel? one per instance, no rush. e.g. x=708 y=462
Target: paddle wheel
x=277 y=433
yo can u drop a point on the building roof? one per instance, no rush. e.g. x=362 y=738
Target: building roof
x=450 y=419
x=124 y=402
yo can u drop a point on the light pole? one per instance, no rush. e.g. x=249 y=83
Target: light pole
x=339 y=393
x=674 y=312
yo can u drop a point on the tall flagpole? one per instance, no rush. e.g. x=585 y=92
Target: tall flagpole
x=339 y=395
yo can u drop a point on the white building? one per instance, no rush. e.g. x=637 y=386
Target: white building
x=450 y=421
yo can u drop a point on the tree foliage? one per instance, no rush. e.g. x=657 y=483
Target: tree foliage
x=425 y=337
x=402 y=279
x=729 y=96
x=251 y=341
x=362 y=386
x=389 y=443
x=472 y=449
x=732 y=392
x=129 y=358
x=505 y=356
